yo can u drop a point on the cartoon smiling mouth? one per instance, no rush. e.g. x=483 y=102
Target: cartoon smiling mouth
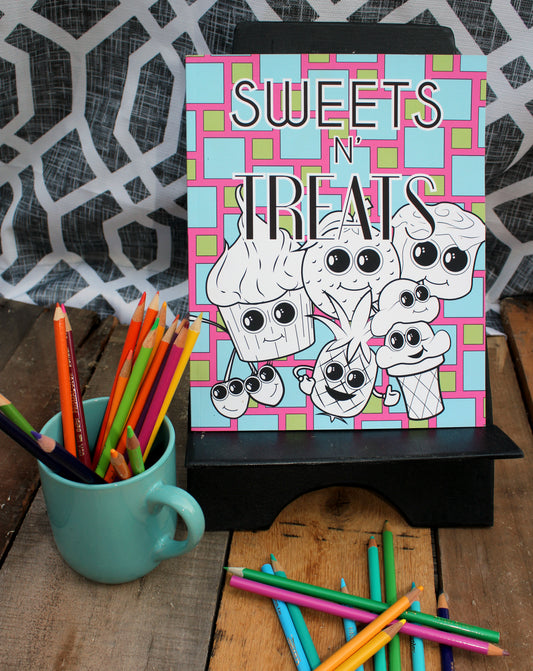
x=274 y=339
x=339 y=395
x=418 y=354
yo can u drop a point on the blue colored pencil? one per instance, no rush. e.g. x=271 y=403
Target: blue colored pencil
x=74 y=467
x=446 y=651
x=350 y=627
x=417 y=645
x=374 y=574
x=293 y=640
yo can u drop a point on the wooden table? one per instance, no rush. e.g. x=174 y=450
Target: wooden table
x=183 y=616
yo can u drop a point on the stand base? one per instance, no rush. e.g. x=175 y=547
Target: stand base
x=436 y=478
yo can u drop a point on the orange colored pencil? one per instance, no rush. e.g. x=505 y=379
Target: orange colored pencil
x=148 y=322
x=129 y=344
x=122 y=381
x=80 y=428
x=63 y=376
x=119 y=464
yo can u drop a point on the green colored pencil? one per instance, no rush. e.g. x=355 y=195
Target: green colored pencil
x=135 y=454
x=391 y=594
x=126 y=403
x=374 y=576
x=365 y=604
x=299 y=623
x=9 y=410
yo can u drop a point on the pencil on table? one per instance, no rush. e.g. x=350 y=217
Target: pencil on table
x=148 y=322
x=9 y=410
x=418 y=659
x=374 y=576
x=63 y=376
x=350 y=628
x=389 y=575
x=372 y=647
x=135 y=454
x=80 y=427
x=446 y=651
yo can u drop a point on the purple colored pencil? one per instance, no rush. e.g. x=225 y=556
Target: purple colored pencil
x=419 y=630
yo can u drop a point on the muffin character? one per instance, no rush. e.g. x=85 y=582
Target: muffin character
x=443 y=258
x=257 y=286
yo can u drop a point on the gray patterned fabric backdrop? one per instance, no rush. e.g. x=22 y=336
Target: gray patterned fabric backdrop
x=92 y=146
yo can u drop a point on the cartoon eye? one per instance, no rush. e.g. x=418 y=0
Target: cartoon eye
x=407 y=299
x=338 y=260
x=368 y=260
x=355 y=379
x=267 y=373
x=284 y=313
x=396 y=340
x=252 y=384
x=413 y=337
x=219 y=392
x=455 y=260
x=422 y=293
x=235 y=387
x=425 y=254
x=334 y=372
x=253 y=320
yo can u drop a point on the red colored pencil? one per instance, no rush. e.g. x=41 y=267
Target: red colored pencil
x=63 y=376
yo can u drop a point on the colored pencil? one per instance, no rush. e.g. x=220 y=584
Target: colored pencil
x=119 y=464
x=446 y=652
x=76 y=469
x=418 y=659
x=129 y=344
x=389 y=577
x=372 y=647
x=371 y=629
x=63 y=376
x=299 y=622
x=135 y=454
x=120 y=388
x=80 y=428
x=192 y=336
x=364 y=603
x=364 y=616
x=374 y=576
x=159 y=333
x=350 y=628
x=14 y=415
x=289 y=629
x=127 y=401
x=148 y=322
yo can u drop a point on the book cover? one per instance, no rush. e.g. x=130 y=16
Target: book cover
x=336 y=241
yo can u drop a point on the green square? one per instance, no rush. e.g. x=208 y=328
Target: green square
x=191 y=169
x=367 y=74
x=339 y=132
x=307 y=170
x=286 y=221
x=229 y=197
x=461 y=138
x=241 y=71
x=206 y=245
x=440 y=183
x=387 y=157
x=473 y=334
x=295 y=422
x=199 y=370
x=214 y=120
x=443 y=63
x=262 y=148
x=318 y=58
x=447 y=380
x=418 y=423
x=296 y=101
x=374 y=406
x=479 y=210
x=483 y=90
x=413 y=106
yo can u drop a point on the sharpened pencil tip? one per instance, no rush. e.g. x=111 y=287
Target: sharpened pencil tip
x=506 y=653
x=272 y=558
x=36 y=435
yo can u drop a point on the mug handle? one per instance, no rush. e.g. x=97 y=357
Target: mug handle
x=187 y=508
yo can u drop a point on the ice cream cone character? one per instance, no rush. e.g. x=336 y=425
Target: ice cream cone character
x=342 y=264
x=442 y=258
x=257 y=285
x=412 y=353
x=345 y=370
x=404 y=301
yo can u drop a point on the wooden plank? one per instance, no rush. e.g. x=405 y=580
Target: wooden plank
x=319 y=538
x=517 y=319
x=16 y=319
x=488 y=573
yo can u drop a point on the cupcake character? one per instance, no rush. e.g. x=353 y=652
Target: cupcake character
x=404 y=301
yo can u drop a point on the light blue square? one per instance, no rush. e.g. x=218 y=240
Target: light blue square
x=330 y=93
x=450 y=357
x=457 y=412
x=424 y=148
x=480 y=258
x=470 y=305
x=301 y=143
x=231 y=228
x=203 y=413
x=382 y=116
x=403 y=67
x=223 y=157
x=357 y=58
x=202 y=206
x=385 y=424
x=202 y=344
x=281 y=66
x=284 y=186
x=455 y=98
x=481 y=127
x=245 y=112
x=344 y=169
x=204 y=83
x=258 y=423
x=190 y=129
x=473 y=63
x=474 y=371
x=468 y=175
x=202 y=271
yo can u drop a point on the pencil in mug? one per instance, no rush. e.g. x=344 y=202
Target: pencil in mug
x=129 y=344
x=118 y=393
x=119 y=464
x=135 y=454
x=127 y=401
x=80 y=428
x=9 y=410
x=192 y=336
x=63 y=376
x=148 y=322
x=159 y=333
x=67 y=461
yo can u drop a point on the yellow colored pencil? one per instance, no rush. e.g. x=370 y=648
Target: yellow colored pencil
x=371 y=648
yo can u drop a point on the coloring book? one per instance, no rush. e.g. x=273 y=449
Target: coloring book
x=336 y=241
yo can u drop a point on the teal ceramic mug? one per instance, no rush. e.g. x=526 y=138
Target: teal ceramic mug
x=117 y=532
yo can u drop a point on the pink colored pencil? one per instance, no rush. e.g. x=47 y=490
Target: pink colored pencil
x=419 y=630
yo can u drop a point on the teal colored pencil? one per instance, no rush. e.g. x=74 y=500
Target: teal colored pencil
x=417 y=644
x=350 y=627
x=299 y=622
x=391 y=595
x=374 y=575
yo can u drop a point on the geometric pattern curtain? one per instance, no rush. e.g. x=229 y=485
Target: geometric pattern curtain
x=92 y=137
